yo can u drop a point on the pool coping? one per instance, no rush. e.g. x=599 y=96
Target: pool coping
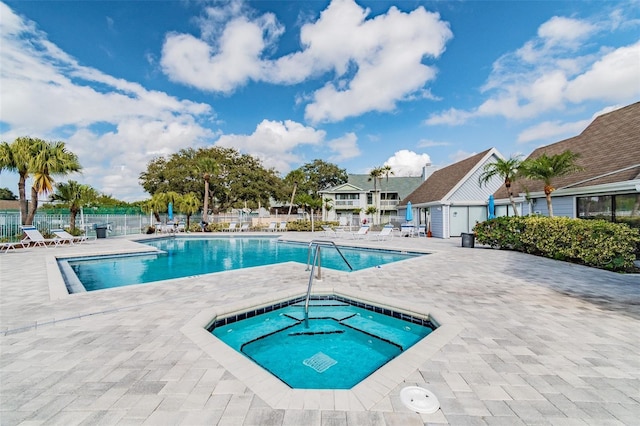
x=364 y=396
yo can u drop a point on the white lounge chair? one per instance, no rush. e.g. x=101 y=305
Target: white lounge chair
x=34 y=236
x=10 y=246
x=65 y=237
x=181 y=227
x=283 y=226
x=362 y=233
x=328 y=231
x=244 y=227
x=231 y=228
x=272 y=227
x=385 y=233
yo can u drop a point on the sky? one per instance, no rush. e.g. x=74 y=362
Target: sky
x=358 y=84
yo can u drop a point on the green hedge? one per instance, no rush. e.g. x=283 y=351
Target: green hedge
x=596 y=243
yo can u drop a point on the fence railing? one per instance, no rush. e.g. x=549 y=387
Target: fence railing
x=117 y=224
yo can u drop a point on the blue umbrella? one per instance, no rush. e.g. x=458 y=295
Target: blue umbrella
x=409 y=215
x=491 y=210
x=170 y=211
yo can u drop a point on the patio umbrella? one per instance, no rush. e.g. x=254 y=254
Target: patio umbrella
x=491 y=210
x=409 y=215
x=170 y=214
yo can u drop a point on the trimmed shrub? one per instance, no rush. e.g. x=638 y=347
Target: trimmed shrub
x=595 y=243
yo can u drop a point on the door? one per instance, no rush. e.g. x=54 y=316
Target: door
x=458 y=220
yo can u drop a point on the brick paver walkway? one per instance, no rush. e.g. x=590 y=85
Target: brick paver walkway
x=540 y=342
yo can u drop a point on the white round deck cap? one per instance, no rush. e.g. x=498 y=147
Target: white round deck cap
x=419 y=399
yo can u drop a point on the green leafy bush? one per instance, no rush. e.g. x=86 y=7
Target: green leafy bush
x=597 y=243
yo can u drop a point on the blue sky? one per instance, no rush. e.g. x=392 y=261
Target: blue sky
x=359 y=84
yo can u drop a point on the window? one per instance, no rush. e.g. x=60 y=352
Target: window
x=347 y=196
x=623 y=208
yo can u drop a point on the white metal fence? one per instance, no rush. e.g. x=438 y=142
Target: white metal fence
x=117 y=224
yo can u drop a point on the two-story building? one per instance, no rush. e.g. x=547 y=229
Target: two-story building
x=348 y=203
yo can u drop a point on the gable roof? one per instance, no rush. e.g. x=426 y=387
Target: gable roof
x=403 y=185
x=442 y=181
x=609 y=152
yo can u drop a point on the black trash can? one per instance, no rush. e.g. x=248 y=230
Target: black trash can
x=468 y=240
x=101 y=231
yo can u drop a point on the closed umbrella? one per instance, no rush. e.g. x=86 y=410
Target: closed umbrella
x=170 y=214
x=409 y=215
x=491 y=210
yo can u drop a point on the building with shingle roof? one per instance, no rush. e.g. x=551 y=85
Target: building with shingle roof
x=350 y=200
x=608 y=186
x=451 y=200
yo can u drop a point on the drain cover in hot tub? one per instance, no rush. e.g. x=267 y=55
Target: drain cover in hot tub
x=419 y=399
x=320 y=362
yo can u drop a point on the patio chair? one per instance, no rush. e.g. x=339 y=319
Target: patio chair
x=244 y=227
x=385 y=233
x=422 y=231
x=328 y=231
x=34 y=236
x=283 y=226
x=65 y=237
x=10 y=246
x=272 y=227
x=181 y=227
x=362 y=233
x=231 y=228
x=407 y=230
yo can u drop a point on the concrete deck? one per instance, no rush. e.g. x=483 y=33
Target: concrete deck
x=531 y=341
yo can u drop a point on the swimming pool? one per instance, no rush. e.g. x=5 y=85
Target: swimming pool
x=342 y=344
x=182 y=257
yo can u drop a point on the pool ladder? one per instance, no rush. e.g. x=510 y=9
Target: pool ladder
x=311 y=266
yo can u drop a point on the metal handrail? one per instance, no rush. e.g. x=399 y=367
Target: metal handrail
x=317 y=260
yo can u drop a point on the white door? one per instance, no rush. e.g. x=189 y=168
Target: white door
x=458 y=220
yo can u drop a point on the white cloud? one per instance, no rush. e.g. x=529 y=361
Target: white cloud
x=344 y=148
x=566 y=31
x=552 y=130
x=615 y=77
x=554 y=70
x=427 y=143
x=407 y=163
x=274 y=142
x=460 y=155
x=37 y=78
x=375 y=62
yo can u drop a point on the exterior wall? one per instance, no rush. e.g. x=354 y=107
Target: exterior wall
x=562 y=206
x=471 y=189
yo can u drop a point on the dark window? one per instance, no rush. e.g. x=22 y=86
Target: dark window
x=624 y=208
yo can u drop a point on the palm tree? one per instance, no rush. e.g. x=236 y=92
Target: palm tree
x=504 y=169
x=15 y=157
x=157 y=204
x=50 y=158
x=386 y=171
x=207 y=167
x=374 y=175
x=189 y=204
x=546 y=168
x=75 y=195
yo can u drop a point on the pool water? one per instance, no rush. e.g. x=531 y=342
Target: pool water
x=341 y=346
x=183 y=257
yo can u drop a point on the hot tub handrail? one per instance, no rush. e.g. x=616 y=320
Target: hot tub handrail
x=317 y=261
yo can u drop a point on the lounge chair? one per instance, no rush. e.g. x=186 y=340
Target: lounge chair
x=10 y=246
x=65 y=237
x=231 y=228
x=362 y=233
x=385 y=233
x=272 y=227
x=181 y=227
x=328 y=231
x=244 y=227
x=34 y=236
x=283 y=226
x=422 y=231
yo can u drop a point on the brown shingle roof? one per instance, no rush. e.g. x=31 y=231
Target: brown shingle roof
x=442 y=181
x=609 y=150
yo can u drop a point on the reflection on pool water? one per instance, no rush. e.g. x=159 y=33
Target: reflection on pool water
x=344 y=342
x=183 y=257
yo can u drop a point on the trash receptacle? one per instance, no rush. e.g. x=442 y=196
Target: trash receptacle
x=468 y=240
x=101 y=231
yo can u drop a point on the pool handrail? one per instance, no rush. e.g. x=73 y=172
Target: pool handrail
x=318 y=261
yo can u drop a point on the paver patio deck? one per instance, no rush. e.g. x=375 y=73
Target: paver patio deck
x=540 y=342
